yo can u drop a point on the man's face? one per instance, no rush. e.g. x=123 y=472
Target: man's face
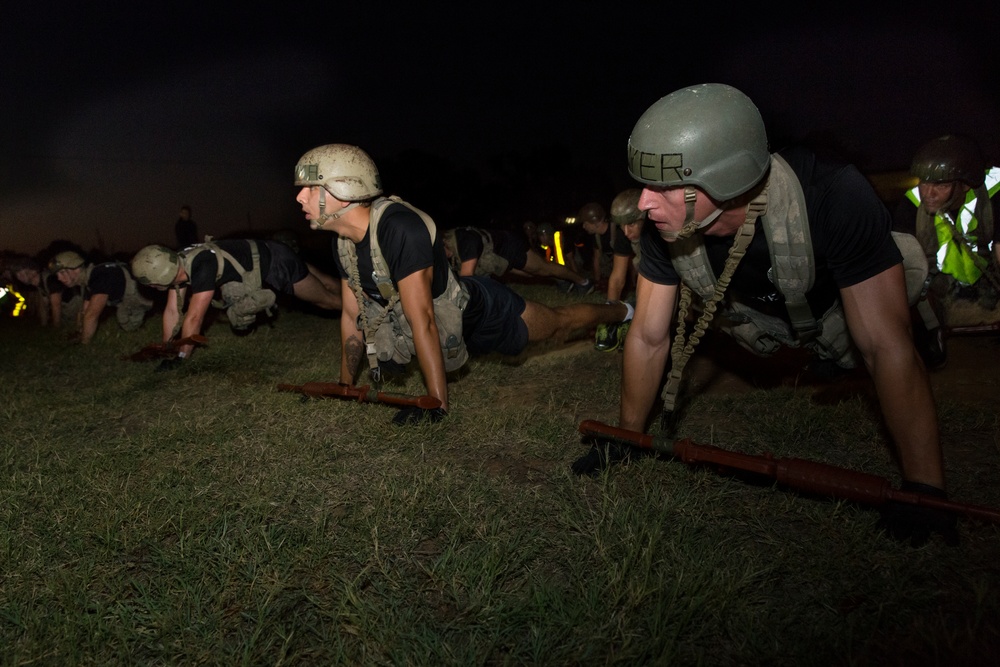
x=68 y=277
x=308 y=198
x=594 y=227
x=28 y=276
x=936 y=197
x=632 y=229
x=665 y=208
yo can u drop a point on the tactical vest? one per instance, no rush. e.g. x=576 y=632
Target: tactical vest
x=489 y=262
x=43 y=283
x=960 y=246
x=786 y=228
x=131 y=309
x=388 y=335
x=243 y=299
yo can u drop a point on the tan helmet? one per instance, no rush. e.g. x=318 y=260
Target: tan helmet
x=156 y=265
x=950 y=158
x=591 y=212
x=625 y=207
x=68 y=259
x=346 y=172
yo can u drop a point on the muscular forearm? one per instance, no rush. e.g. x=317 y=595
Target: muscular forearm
x=910 y=415
x=642 y=371
x=89 y=326
x=90 y=316
x=428 y=347
x=616 y=284
x=171 y=316
x=55 y=304
x=350 y=358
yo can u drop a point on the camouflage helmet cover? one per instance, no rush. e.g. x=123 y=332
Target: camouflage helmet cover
x=591 y=212
x=347 y=172
x=950 y=158
x=68 y=259
x=710 y=136
x=625 y=207
x=155 y=265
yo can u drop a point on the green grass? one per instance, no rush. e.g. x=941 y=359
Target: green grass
x=203 y=517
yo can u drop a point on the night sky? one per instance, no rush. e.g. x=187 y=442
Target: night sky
x=115 y=114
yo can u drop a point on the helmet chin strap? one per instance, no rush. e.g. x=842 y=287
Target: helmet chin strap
x=324 y=217
x=691 y=225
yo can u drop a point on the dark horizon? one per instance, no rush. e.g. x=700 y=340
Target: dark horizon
x=112 y=121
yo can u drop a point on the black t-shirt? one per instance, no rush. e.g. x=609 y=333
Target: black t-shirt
x=609 y=243
x=406 y=247
x=205 y=265
x=851 y=240
x=109 y=279
x=469 y=243
x=620 y=245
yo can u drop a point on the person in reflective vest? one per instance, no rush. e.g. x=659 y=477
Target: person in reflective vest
x=951 y=210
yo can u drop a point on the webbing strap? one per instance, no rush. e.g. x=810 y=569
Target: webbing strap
x=683 y=348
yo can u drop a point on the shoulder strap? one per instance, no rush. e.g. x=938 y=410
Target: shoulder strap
x=786 y=227
x=380 y=269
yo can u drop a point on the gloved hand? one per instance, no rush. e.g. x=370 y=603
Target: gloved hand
x=168 y=364
x=603 y=455
x=411 y=414
x=903 y=521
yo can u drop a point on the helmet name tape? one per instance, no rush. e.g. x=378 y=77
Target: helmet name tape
x=655 y=167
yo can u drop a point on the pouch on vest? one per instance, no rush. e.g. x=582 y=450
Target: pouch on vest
x=394 y=337
x=242 y=303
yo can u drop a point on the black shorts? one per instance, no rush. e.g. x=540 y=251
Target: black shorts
x=492 y=319
x=286 y=268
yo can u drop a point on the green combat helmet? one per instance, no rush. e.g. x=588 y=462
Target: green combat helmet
x=591 y=212
x=625 y=207
x=346 y=172
x=155 y=265
x=950 y=158
x=709 y=136
x=67 y=259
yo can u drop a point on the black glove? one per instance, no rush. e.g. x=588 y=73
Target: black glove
x=903 y=521
x=168 y=364
x=411 y=414
x=603 y=455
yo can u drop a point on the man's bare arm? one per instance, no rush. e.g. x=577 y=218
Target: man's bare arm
x=619 y=273
x=92 y=309
x=646 y=348
x=878 y=317
x=418 y=306
x=469 y=267
x=194 y=318
x=353 y=349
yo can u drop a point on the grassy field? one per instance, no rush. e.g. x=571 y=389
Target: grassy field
x=201 y=516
